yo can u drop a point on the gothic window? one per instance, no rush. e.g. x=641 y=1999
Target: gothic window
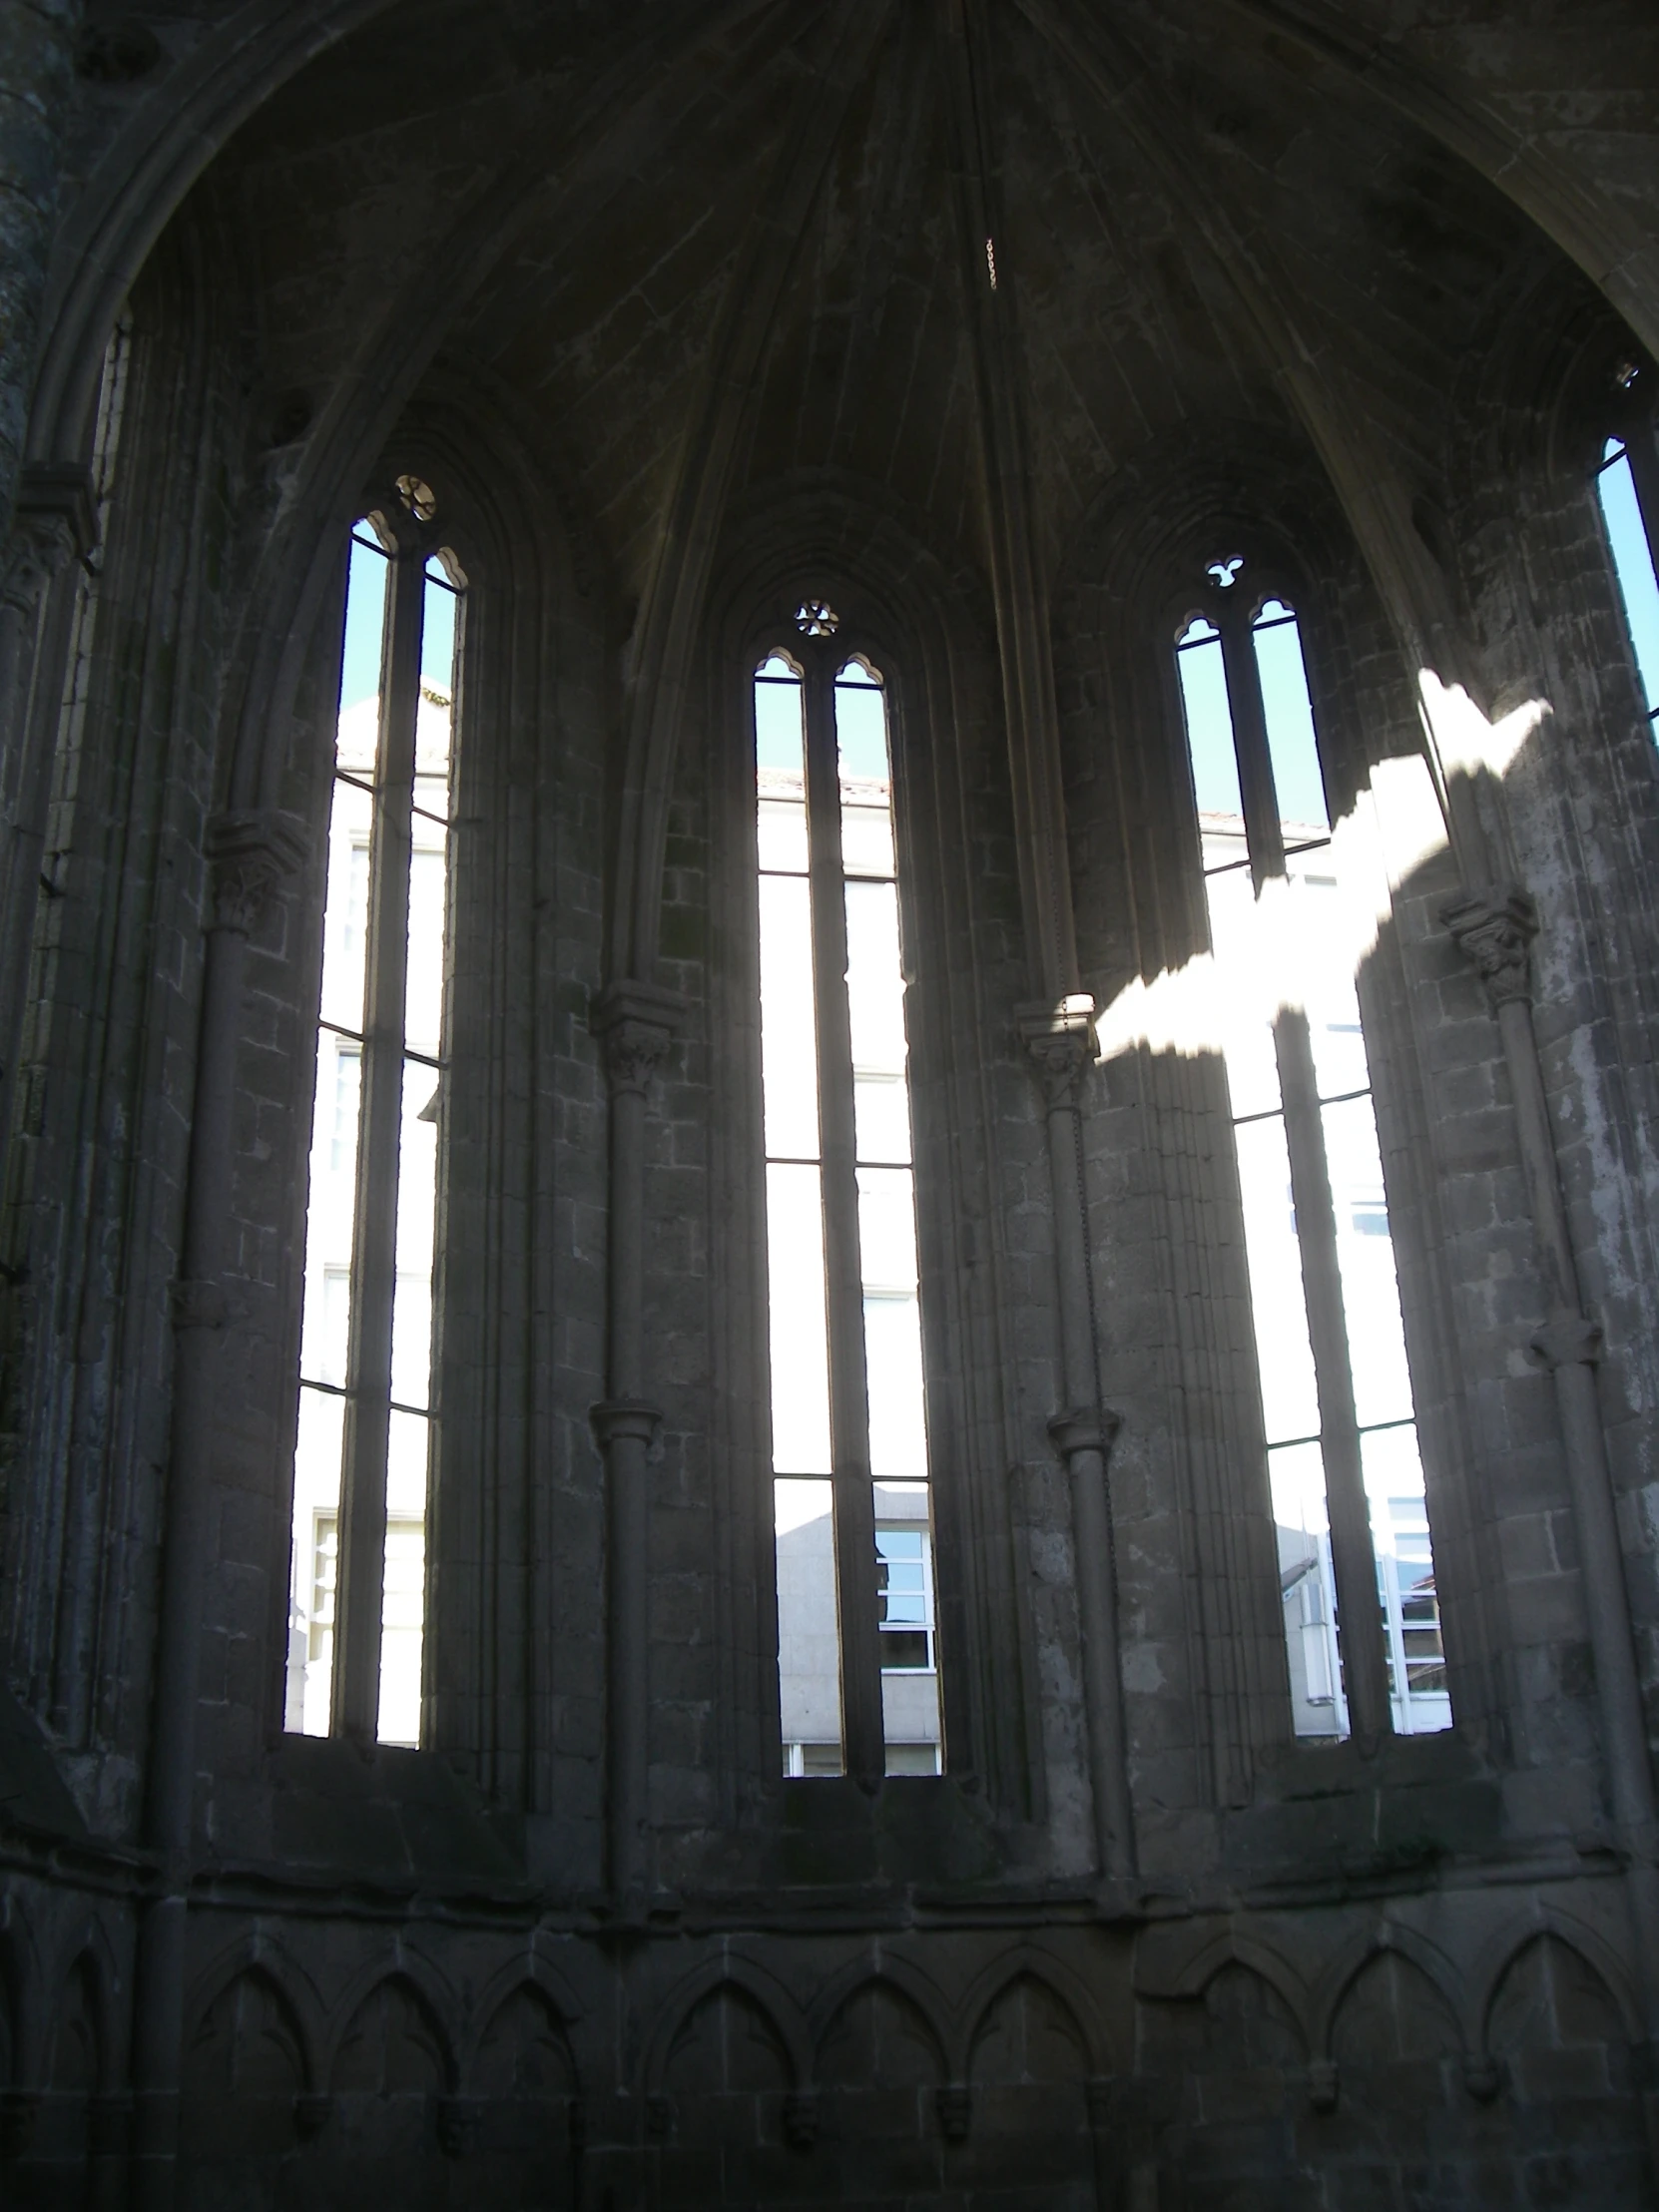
x=857 y=1651
x=1627 y=484
x=1346 y=1477
x=365 y=1430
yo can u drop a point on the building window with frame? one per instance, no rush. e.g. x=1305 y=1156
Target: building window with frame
x=363 y=1441
x=1355 y=1560
x=857 y=1651
x=1627 y=492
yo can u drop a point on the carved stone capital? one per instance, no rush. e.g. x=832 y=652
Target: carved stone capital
x=1061 y=1043
x=53 y=520
x=248 y=854
x=1567 y=1340
x=635 y=1024
x=623 y=1419
x=1495 y=929
x=658 y=2118
x=1101 y=2099
x=1084 y=1428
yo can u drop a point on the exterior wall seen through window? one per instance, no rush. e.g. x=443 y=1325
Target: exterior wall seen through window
x=857 y=1657
x=1346 y=1477
x=360 y=1463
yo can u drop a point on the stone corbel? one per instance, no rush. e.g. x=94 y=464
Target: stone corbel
x=460 y=2123
x=1569 y=1339
x=1088 y=1429
x=55 y=520
x=956 y=2103
x=1494 y=931
x=801 y=2119
x=626 y=1420
x=248 y=854
x=635 y=1024
x=1062 y=1045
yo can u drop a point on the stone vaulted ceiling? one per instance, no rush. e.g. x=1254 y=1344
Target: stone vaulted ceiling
x=650 y=225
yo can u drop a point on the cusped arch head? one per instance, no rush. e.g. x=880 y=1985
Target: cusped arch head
x=922 y=2000
x=1333 y=1984
x=1062 y=1983
x=776 y=2007
x=297 y=1994
x=416 y=1982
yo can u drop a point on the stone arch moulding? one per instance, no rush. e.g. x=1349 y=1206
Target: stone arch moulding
x=1597 y=1950
x=1190 y=1975
x=1589 y=228
x=763 y=1990
x=433 y=1992
x=92 y=1954
x=1030 y=1962
x=524 y=1970
x=293 y=571
x=1390 y=1937
x=24 y=1994
x=926 y=622
x=915 y=1990
x=193 y=112
x=259 y=1954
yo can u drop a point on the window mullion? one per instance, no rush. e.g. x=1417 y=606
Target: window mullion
x=1353 y=1556
x=1263 y=835
x=1642 y=452
x=361 y=1571
x=855 y=1501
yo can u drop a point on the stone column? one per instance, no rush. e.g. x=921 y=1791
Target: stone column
x=635 y=1024
x=247 y=854
x=1495 y=929
x=1061 y=1044
x=37 y=75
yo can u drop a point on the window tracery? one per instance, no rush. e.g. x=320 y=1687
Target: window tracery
x=356 y=1615
x=1345 y=1471
x=857 y=1657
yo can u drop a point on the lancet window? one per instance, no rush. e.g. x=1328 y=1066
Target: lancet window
x=1355 y=1556
x=358 y=1599
x=1627 y=486
x=857 y=1650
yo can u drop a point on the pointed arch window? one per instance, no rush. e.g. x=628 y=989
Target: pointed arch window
x=364 y=1442
x=1627 y=488
x=857 y=1650
x=1355 y=1556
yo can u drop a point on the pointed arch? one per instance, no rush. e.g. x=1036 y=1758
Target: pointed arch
x=1068 y=1989
x=771 y=1999
x=417 y=1987
x=1333 y=1984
